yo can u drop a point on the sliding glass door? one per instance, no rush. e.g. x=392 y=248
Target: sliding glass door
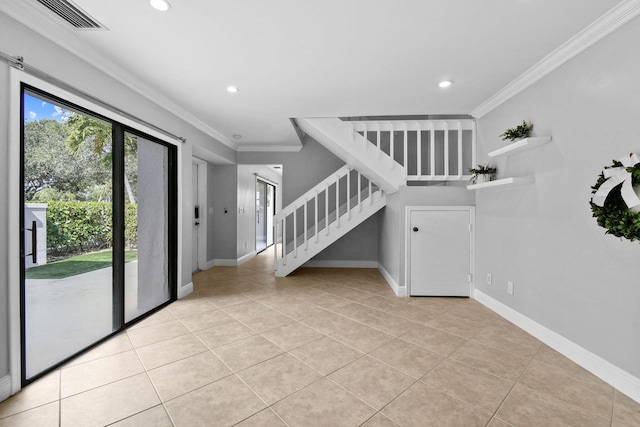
x=98 y=238
x=265 y=210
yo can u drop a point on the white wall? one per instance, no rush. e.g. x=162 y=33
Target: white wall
x=17 y=39
x=568 y=275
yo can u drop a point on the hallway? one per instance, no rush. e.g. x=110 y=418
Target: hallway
x=322 y=347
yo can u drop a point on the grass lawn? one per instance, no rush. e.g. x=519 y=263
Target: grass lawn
x=76 y=265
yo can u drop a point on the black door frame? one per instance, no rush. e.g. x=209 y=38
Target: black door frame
x=118 y=196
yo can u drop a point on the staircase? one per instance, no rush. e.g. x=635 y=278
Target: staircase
x=322 y=215
x=393 y=152
x=380 y=156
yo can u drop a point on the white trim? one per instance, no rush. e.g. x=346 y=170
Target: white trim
x=472 y=241
x=599 y=29
x=13 y=239
x=270 y=148
x=340 y=264
x=618 y=378
x=185 y=290
x=246 y=257
x=400 y=291
x=221 y=262
x=5 y=387
x=202 y=202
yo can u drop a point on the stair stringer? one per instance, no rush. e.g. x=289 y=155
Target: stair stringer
x=339 y=138
x=325 y=237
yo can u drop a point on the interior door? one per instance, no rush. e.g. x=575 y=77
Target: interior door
x=440 y=258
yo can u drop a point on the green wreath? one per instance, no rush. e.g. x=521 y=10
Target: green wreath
x=612 y=212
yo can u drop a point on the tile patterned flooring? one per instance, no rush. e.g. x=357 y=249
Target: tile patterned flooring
x=323 y=347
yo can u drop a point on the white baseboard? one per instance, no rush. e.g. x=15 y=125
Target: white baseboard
x=222 y=262
x=618 y=378
x=340 y=264
x=185 y=290
x=400 y=291
x=245 y=258
x=5 y=387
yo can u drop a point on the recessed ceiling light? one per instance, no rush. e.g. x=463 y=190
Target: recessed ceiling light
x=445 y=83
x=236 y=136
x=161 y=5
x=232 y=89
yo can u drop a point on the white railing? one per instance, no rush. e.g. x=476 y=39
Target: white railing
x=314 y=216
x=428 y=150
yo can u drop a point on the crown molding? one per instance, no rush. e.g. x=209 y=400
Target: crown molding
x=270 y=148
x=68 y=40
x=599 y=29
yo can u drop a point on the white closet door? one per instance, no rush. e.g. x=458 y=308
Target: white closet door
x=440 y=246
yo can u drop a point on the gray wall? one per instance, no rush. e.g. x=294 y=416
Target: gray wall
x=300 y=170
x=222 y=197
x=360 y=244
x=17 y=39
x=568 y=275
x=393 y=218
x=211 y=216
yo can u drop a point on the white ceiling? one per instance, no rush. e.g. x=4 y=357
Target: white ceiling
x=314 y=58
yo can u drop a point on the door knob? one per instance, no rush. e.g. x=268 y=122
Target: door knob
x=415 y=228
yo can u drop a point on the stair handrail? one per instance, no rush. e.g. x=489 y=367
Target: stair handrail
x=311 y=194
x=390 y=125
x=298 y=238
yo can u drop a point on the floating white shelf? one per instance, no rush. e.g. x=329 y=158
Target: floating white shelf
x=522 y=145
x=521 y=180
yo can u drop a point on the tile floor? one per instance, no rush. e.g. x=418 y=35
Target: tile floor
x=323 y=347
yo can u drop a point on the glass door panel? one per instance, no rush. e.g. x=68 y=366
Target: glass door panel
x=146 y=180
x=261 y=223
x=67 y=247
x=271 y=210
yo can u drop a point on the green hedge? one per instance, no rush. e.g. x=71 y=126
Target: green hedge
x=77 y=227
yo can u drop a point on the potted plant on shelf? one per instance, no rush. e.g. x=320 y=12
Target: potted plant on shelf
x=482 y=173
x=518 y=132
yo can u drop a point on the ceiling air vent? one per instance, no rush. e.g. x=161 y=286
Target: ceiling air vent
x=71 y=13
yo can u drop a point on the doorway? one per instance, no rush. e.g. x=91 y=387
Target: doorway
x=265 y=211
x=440 y=251
x=98 y=242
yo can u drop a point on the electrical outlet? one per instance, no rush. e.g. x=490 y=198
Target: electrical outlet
x=488 y=278
x=510 y=288
x=246 y=246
